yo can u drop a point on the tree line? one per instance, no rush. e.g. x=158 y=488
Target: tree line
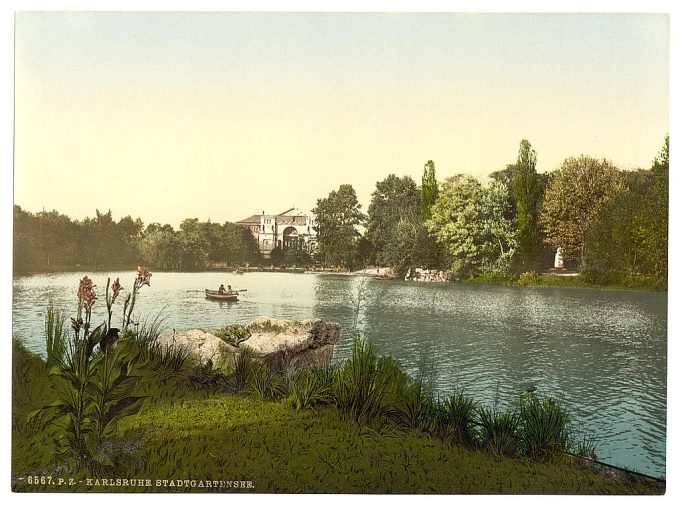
x=603 y=220
x=47 y=241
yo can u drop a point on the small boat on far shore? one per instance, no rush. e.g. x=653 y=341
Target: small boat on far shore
x=221 y=297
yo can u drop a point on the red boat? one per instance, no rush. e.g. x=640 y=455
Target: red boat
x=221 y=297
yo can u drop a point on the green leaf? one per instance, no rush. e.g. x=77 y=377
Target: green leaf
x=124 y=407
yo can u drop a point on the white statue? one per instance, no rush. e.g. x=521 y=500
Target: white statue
x=559 y=258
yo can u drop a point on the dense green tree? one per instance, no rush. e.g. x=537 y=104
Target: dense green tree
x=365 y=253
x=574 y=195
x=609 y=241
x=49 y=240
x=506 y=176
x=395 y=201
x=297 y=256
x=162 y=248
x=527 y=193
x=239 y=245
x=662 y=160
x=276 y=256
x=429 y=190
x=338 y=216
x=629 y=234
x=469 y=221
x=651 y=227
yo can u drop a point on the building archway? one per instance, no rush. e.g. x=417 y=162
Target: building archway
x=291 y=239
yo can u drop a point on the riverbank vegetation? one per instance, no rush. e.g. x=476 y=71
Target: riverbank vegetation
x=114 y=403
x=585 y=279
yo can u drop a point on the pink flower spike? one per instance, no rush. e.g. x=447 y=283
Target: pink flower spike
x=116 y=287
x=143 y=276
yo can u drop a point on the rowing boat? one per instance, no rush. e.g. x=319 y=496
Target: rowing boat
x=221 y=297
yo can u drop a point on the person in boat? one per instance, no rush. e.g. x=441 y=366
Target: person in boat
x=229 y=290
x=222 y=290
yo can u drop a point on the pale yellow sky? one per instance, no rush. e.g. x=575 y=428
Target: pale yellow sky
x=222 y=115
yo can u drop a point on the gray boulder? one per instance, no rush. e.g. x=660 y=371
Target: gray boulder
x=308 y=343
x=202 y=344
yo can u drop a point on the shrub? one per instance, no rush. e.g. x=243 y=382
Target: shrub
x=492 y=278
x=529 y=279
x=265 y=326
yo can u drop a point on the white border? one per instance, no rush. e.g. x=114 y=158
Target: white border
x=6 y=160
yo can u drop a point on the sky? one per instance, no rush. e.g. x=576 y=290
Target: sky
x=220 y=116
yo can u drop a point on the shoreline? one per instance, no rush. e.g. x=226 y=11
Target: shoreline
x=573 y=280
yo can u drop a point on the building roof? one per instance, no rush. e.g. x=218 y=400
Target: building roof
x=295 y=212
x=292 y=215
x=253 y=219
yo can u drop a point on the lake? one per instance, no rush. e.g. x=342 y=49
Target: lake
x=602 y=354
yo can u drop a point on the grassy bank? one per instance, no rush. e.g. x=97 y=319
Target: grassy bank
x=362 y=427
x=582 y=280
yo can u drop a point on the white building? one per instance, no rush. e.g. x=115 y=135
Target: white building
x=289 y=229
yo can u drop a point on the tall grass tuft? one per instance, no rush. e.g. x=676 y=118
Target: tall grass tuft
x=267 y=383
x=244 y=366
x=544 y=427
x=412 y=407
x=56 y=335
x=165 y=360
x=455 y=419
x=586 y=446
x=498 y=432
x=309 y=388
x=147 y=333
x=168 y=358
x=365 y=386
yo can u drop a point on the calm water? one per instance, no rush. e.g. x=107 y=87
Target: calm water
x=602 y=353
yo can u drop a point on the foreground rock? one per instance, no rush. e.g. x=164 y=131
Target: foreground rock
x=309 y=343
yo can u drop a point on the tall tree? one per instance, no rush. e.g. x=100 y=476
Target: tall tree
x=574 y=195
x=338 y=216
x=395 y=200
x=429 y=190
x=651 y=228
x=527 y=189
x=469 y=221
x=609 y=242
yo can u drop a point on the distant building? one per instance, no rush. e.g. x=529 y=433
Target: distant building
x=290 y=229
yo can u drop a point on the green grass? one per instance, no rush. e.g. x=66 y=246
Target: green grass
x=582 y=280
x=279 y=449
x=379 y=438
